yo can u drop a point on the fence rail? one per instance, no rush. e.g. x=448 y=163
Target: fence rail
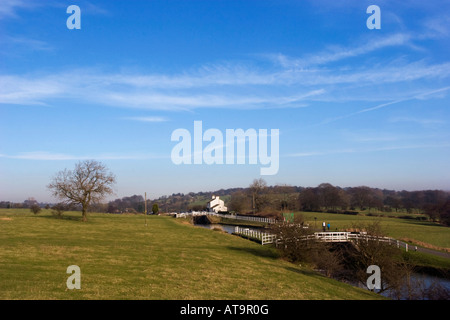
x=249 y=218
x=347 y=236
x=264 y=237
x=267 y=238
x=226 y=216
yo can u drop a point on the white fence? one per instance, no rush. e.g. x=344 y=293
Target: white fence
x=330 y=236
x=347 y=236
x=264 y=237
x=195 y=213
x=267 y=238
x=248 y=218
x=226 y=216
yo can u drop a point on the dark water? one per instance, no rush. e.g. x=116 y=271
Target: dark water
x=225 y=227
x=419 y=287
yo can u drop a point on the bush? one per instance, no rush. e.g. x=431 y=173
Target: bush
x=58 y=210
x=291 y=248
x=350 y=212
x=35 y=208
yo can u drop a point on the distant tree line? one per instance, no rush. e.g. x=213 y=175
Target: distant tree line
x=133 y=204
x=28 y=203
x=260 y=199
x=25 y=204
x=176 y=202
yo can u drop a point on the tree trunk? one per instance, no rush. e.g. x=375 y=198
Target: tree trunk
x=84 y=214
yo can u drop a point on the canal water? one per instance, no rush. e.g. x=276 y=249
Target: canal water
x=225 y=227
x=420 y=287
x=418 y=282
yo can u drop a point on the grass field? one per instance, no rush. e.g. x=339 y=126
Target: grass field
x=121 y=258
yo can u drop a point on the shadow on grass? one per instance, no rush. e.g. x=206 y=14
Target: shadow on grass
x=61 y=218
x=259 y=252
x=425 y=223
x=306 y=272
x=271 y=253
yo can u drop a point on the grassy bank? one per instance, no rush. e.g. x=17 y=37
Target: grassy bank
x=121 y=258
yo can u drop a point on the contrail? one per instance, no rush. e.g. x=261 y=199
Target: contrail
x=416 y=97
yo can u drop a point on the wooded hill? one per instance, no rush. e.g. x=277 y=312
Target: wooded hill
x=261 y=199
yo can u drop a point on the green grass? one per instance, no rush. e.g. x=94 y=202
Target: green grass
x=424 y=233
x=121 y=258
x=420 y=259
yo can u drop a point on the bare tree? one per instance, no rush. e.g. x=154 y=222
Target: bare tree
x=374 y=252
x=58 y=209
x=285 y=198
x=258 y=192
x=89 y=182
x=239 y=202
x=290 y=241
x=329 y=195
x=309 y=200
x=361 y=197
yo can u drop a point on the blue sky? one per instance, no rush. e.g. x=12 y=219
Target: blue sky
x=353 y=106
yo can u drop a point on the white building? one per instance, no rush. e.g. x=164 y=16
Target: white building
x=216 y=205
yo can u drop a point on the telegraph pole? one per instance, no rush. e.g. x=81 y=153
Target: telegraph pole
x=145 y=208
x=253 y=202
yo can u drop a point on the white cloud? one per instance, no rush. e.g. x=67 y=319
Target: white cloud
x=147 y=119
x=291 y=82
x=8 y=8
x=50 y=156
x=181 y=92
x=28 y=90
x=337 y=53
x=10 y=43
x=113 y=90
x=418 y=96
x=367 y=150
x=420 y=121
x=436 y=26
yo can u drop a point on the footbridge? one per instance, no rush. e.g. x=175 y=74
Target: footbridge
x=343 y=236
x=338 y=236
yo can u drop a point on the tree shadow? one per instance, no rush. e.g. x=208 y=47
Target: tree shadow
x=306 y=272
x=425 y=223
x=61 y=218
x=259 y=252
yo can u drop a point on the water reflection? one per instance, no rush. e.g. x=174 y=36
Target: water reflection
x=422 y=287
x=224 y=227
